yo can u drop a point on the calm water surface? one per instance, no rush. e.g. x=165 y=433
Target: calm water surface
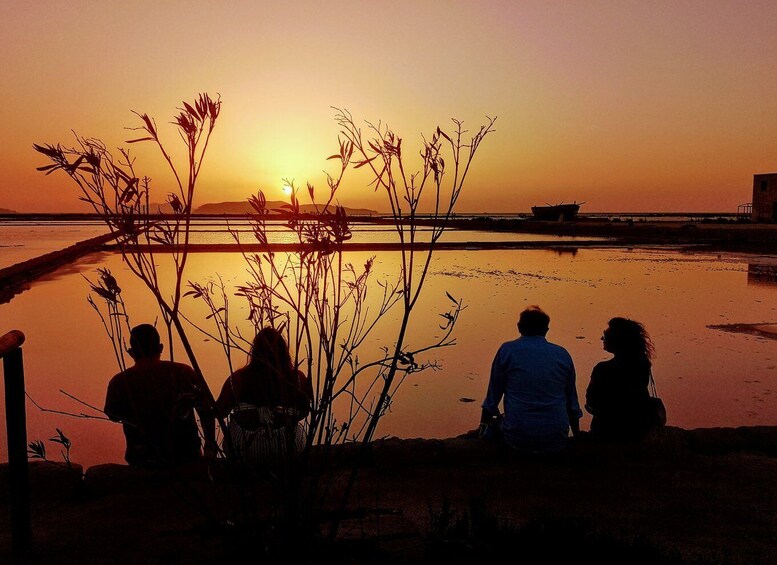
x=706 y=376
x=23 y=240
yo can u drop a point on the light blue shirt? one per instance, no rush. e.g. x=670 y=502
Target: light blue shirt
x=536 y=380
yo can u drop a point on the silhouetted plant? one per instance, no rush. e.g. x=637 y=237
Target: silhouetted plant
x=381 y=151
x=37 y=449
x=111 y=186
x=116 y=320
x=319 y=300
x=121 y=198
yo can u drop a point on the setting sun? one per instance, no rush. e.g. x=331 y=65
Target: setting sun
x=635 y=110
x=286 y=189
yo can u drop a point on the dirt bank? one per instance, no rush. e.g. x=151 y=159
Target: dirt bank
x=18 y=278
x=682 y=496
x=731 y=236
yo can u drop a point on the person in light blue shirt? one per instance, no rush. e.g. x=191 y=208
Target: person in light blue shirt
x=535 y=381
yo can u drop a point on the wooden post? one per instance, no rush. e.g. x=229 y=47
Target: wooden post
x=16 y=428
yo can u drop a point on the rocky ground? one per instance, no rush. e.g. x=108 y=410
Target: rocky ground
x=681 y=496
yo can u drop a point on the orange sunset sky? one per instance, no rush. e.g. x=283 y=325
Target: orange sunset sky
x=627 y=106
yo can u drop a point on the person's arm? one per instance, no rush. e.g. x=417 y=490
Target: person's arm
x=487 y=418
x=114 y=405
x=573 y=406
x=206 y=413
x=592 y=392
x=574 y=424
x=226 y=400
x=304 y=394
x=208 y=423
x=494 y=393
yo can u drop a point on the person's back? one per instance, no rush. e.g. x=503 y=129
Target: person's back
x=536 y=381
x=265 y=403
x=617 y=395
x=155 y=401
x=259 y=386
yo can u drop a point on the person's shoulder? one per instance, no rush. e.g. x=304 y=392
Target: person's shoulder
x=508 y=345
x=556 y=347
x=177 y=365
x=240 y=373
x=179 y=368
x=238 y=377
x=513 y=342
x=118 y=378
x=606 y=366
x=560 y=352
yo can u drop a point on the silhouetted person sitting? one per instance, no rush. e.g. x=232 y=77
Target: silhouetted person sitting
x=536 y=380
x=155 y=401
x=266 y=402
x=617 y=395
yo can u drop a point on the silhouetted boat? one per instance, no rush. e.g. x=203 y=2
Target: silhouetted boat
x=555 y=212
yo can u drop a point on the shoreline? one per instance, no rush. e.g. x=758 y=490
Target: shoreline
x=726 y=236
x=686 y=236
x=17 y=278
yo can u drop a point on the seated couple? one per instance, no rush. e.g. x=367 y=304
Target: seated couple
x=265 y=403
x=535 y=382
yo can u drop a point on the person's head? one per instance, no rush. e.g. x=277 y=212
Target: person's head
x=533 y=321
x=145 y=342
x=270 y=349
x=627 y=338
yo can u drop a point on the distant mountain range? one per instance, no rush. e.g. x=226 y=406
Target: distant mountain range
x=236 y=208
x=243 y=207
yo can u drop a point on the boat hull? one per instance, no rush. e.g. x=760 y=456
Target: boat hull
x=559 y=212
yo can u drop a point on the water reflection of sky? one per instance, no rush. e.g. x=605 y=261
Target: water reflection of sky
x=20 y=241
x=707 y=377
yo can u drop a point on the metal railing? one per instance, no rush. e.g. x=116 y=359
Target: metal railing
x=16 y=428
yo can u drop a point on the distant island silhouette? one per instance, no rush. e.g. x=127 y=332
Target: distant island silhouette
x=243 y=207
x=224 y=208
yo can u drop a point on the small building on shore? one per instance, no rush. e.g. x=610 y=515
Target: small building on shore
x=765 y=198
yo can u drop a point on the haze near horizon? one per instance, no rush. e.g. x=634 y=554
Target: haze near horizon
x=661 y=106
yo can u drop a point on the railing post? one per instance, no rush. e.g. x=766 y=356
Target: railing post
x=16 y=428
